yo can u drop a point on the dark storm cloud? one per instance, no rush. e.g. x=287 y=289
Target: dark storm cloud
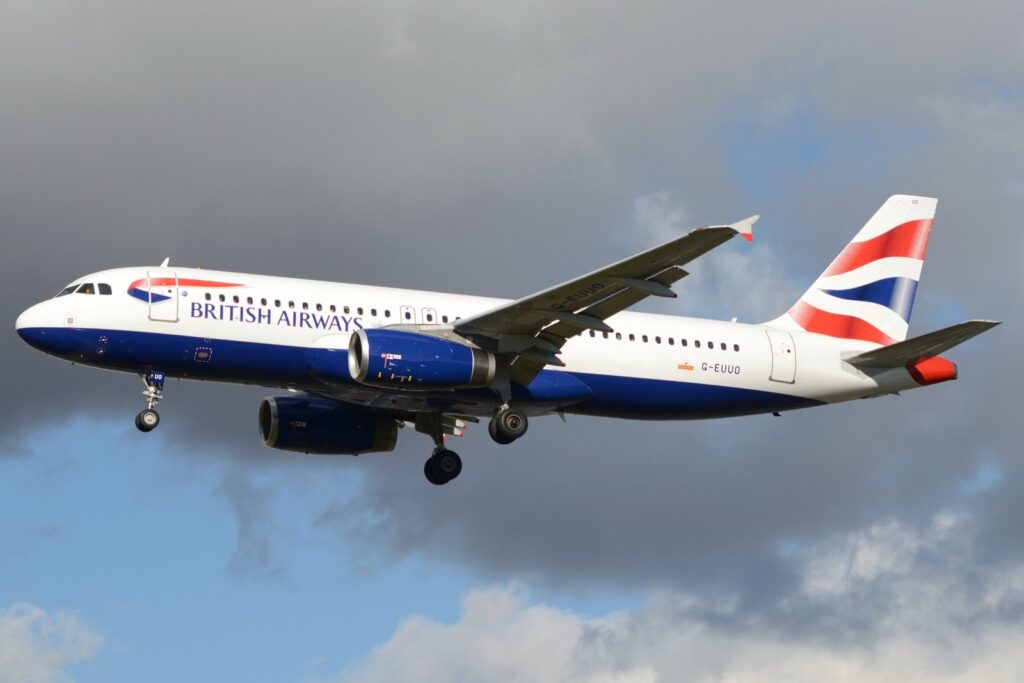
x=496 y=151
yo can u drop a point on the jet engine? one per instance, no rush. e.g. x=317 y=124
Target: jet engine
x=316 y=425
x=409 y=360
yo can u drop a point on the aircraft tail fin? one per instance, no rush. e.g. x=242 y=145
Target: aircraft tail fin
x=867 y=292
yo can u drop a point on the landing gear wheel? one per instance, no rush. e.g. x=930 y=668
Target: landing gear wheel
x=442 y=467
x=492 y=429
x=147 y=420
x=508 y=425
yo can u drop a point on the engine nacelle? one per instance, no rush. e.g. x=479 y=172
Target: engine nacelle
x=314 y=425
x=409 y=360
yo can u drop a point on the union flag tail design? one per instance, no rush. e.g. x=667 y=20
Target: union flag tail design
x=867 y=292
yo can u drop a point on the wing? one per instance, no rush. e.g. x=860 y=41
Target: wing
x=534 y=329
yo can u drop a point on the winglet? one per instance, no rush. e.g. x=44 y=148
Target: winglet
x=745 y=227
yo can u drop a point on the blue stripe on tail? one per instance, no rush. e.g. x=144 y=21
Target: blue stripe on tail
x=896 y=293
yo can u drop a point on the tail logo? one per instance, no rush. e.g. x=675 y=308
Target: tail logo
x=867 y=293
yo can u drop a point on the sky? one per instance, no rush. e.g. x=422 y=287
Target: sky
x=495 y=149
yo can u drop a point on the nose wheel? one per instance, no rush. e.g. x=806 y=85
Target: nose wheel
x=148 y=419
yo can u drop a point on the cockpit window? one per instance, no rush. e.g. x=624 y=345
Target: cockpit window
x=87 y=288
x=105 y=288
x=67 y=290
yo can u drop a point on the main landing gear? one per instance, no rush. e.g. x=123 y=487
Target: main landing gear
x=148 y=419
x=508 y=425
x=443 y=465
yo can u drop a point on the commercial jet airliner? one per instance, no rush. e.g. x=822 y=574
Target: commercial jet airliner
x=360 y=362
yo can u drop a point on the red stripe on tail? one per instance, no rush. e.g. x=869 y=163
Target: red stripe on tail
x=909 y=240
x=836 y=325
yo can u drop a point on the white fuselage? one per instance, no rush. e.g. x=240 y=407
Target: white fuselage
x=253 y=329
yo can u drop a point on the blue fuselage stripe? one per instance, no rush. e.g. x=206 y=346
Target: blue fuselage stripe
x=276 y=365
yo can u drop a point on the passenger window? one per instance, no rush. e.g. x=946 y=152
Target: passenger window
x=605 y=334
x=711 y=345
x=671 y=341
x=618 y=335
x=346 y=309
x=105 y=288
x=408 y=315
x=696 y=342
x=430 y=317
x=359 y=310
x=305 y=306
x=644 y=337
x=248 y=300
x=444 y=318
x=373 y=312
x=657 y=340
x=263 y=302
x=208 y=297
x=683 y=342
x=291 y=304
x=723 y=346
x=387 y=313
x=333 y=309
x=632 y=337
x=277 y=303
x=735 y=347
x=235 y=299
x=221 y=297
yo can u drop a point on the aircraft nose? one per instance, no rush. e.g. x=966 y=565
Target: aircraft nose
x=28 y=318
x=32 y=326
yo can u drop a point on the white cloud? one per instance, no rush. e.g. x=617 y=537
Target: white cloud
x=37 y=646
x=942 y=623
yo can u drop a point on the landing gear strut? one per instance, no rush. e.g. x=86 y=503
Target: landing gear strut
x=148 y=419
x=508 y=425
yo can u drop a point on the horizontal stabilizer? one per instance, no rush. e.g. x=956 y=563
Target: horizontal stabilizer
x=926 y=346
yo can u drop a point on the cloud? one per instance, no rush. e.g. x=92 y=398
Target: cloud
x=936 y=625
x=255 y=555
x=37 y=646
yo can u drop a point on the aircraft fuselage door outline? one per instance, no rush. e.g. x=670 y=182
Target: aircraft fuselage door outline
x=161 y=284
x=783 y=356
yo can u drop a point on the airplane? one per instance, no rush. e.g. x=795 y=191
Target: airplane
x=359 y=362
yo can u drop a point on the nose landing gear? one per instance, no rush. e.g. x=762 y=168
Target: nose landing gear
x=148 y=419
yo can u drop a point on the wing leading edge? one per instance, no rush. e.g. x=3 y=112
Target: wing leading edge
x=533 y=329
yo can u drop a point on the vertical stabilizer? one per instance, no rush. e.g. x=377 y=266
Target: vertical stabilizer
x=867 y=293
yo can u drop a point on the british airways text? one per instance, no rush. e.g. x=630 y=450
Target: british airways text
x=268 y=316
